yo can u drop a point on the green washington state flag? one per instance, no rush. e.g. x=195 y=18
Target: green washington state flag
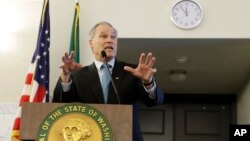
x=74 y=41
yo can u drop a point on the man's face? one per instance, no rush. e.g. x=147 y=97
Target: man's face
x=105 y=38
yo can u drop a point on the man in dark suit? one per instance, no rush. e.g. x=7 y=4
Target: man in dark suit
x=133 y=82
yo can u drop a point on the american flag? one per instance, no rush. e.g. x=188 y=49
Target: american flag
x=36 y=88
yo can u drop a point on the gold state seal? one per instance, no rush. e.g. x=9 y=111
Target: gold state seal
x=75 y=122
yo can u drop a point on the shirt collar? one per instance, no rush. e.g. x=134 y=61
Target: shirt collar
x=98 y=64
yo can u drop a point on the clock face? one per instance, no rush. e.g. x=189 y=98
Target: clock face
x=186 y=14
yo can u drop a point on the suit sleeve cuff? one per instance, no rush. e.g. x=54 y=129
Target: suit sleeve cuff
x=151 y=91
x=66 y=86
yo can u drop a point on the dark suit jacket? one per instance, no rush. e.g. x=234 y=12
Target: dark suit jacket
x=86 y=88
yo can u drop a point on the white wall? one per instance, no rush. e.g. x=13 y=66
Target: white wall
x=133 y=18
x=18 y=26
x=7 y=114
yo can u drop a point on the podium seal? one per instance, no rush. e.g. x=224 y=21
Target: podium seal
x=75 y=122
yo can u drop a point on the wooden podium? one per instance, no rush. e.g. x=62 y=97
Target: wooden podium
x=119 y=117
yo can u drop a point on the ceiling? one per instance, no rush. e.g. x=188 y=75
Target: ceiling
x=213 y=66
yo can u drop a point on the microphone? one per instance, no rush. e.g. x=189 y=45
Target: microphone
x=104 y=55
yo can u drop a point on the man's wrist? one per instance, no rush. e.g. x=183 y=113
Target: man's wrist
x=65 y=77
x=149 y=83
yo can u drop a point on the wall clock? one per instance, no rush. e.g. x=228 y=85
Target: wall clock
x=186 y=14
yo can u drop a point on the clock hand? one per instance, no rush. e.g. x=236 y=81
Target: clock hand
x=182 y=9
x=186 y=12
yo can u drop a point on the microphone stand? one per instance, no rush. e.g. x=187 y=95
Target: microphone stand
x=104 y=55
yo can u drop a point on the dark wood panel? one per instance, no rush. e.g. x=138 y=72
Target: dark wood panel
x=200 y=122
x=152 y=121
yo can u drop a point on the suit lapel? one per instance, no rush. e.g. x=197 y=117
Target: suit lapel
x=96 y=86
x=117 y=75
